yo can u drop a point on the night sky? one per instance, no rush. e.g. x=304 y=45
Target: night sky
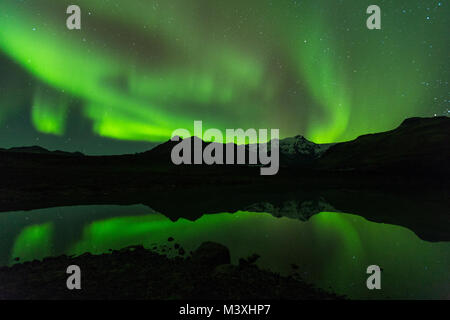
x=138 y=69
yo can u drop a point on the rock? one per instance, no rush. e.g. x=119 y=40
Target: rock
x=211 y=254
x=170 y=239
x=250 y=260
x=224 y=269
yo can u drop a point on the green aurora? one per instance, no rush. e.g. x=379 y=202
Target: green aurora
x=137 y=70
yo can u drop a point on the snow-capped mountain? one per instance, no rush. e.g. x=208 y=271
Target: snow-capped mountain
x=297 y=150
x=300 y=146
x=293 y=209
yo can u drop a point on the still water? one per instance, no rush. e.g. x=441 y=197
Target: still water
x=331 y=250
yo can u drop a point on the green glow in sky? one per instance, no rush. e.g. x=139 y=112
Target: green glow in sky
x=49 y=113
x=140 y=69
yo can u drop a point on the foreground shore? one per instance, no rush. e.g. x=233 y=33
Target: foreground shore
x=138 y=273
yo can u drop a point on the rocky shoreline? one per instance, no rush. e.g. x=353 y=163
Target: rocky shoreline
x=138 y=273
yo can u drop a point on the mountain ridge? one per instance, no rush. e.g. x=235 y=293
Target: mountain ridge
x=417 y=144
x=35 y=149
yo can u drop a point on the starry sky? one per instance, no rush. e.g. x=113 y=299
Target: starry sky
x=139 y=69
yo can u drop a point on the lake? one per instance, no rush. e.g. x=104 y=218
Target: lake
x=331 y=250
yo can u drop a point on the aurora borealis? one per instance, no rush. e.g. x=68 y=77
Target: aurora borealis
x=139 y=69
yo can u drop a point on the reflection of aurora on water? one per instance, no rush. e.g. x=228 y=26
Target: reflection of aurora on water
x=140 y=69
x=331 y=249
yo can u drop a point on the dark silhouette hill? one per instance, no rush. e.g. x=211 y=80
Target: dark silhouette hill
x=360 y=176
x=40 y=150
x=417 y=145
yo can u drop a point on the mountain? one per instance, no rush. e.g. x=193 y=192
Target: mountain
x=300 y=151
x=295 y=209
x=162 y=152
x=417 y=145
x=39 y=150
x=295 y=151
x=358 y=176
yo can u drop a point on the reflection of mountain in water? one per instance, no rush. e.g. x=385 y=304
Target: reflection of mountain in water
x=330 y=249
x=423 y=212
x=293 y=209
x=397 y=177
